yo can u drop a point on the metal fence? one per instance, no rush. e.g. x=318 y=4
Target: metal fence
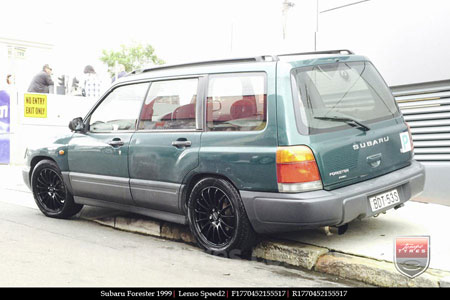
x=426 y=108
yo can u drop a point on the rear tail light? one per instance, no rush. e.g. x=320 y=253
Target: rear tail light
x=410 y=138
x=297 y=170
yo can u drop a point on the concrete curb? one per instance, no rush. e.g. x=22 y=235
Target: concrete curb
x=310 y=257
x=291 y=253
x=371 y=271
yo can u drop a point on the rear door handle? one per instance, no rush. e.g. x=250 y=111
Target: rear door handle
x=181 y=143
x=116 y=142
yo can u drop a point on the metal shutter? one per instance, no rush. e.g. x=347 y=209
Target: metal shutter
x=426 y=108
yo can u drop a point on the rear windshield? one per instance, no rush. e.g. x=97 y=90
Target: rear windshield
x=343 y=90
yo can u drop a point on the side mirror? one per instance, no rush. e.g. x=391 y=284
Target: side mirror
x=76 y=124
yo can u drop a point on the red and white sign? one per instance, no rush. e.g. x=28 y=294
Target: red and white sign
x=412 y=255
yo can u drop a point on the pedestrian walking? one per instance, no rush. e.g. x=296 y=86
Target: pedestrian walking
x=42 y=81
x=91 y=83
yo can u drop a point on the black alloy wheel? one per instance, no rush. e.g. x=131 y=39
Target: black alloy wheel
x=50 y=190
x=218 y=220
x=215 y=216
x=50 y=193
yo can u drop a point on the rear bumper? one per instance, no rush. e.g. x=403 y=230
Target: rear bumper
x=280 y=212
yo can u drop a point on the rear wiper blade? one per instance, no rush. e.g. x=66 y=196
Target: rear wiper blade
x=349 y=121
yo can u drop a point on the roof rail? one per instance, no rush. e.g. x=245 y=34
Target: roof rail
x=338 y=51
x=201 y=63
x=260 y=58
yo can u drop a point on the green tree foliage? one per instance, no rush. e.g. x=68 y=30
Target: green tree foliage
x=131 y=57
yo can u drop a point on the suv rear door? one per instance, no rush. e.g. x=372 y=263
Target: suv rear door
x=352 y=120
x=166 y=145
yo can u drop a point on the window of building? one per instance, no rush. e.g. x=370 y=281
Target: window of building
x=16 y=52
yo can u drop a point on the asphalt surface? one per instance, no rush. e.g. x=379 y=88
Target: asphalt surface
x=37 y=251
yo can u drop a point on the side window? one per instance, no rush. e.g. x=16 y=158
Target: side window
x=170 y=105
x=119 y=110
x=236 y=102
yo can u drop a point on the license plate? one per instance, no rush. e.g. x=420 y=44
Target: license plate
x=383 y=200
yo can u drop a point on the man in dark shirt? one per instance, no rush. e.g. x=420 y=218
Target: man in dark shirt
x=41 y=81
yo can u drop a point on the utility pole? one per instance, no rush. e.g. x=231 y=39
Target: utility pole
x=286 y=6
x=317 y=25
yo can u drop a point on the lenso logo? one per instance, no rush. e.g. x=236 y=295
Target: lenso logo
x=371 y=143
x=3 y=112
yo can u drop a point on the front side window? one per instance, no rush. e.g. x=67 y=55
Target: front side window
x=328 y=95
x=236 y=102
x=170 y=104
x=119 y=110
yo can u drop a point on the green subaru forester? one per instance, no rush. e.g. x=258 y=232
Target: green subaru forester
x=236 y=147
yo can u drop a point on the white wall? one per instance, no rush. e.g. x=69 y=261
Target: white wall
x=408 y=40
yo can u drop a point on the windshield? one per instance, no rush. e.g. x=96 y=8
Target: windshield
x=330 y=96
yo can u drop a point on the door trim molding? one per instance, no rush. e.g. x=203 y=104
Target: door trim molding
x=108 y=188
x=161 y=215
x=157 y=195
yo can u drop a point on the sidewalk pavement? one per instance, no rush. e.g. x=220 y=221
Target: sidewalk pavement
x=364 y=252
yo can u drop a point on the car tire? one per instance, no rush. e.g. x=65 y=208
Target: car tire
x=50 y=192
x=218 y=220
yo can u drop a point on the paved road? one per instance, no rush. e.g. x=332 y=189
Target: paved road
x=40 y=251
